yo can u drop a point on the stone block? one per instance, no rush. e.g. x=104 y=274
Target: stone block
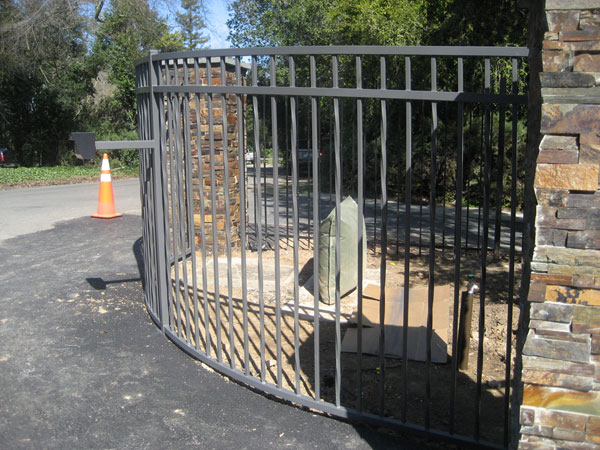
x=553 y=398
x=571 y=270
x=565 y=280
x=581 y=213
x=586 y=62
x=551 y=236
x=563 y=20
x=571 y=95
x=563 y=294
x=553 y=312
x=558 y=157
x=584 y=282
x=569 y=336
x=556 y=61
x=589 y=19
x=593 y=425
x=583 y=239
x=554 y=349
x=542 y=378
x=567 y=79
x=557 y=142
x=544 y=325
x=537 y=430
x=571 y=4
x=537 y=292
x=561 y=224
x=569 y=118
x=580 y=35
x=568 y=435
x=576 y=177
x=596 y=344
x=567 y=256
x=593 y=439
x=551 y=197
x=586 y=314
x=583 y=200
x=527 y=416
x=557 y=366
x=561 y=419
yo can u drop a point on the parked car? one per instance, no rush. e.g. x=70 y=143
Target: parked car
x=6 y=158
x=304 y=159
x=249 y=157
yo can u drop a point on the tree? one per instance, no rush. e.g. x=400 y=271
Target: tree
x=44 y=76
x=128 y=30
x=192 y=23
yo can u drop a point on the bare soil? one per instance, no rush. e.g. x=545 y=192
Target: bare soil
x=288 y=350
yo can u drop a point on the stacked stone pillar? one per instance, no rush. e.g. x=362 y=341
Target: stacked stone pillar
x=561 y=355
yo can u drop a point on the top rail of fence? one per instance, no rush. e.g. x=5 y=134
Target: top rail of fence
x=457 y=51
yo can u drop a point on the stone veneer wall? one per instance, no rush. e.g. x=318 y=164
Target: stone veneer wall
x=202 y=143
x=561 y=355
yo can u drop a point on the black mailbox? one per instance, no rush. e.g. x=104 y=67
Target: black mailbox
x=85 y=145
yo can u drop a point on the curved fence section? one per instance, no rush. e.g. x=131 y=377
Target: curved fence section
x=340 y=226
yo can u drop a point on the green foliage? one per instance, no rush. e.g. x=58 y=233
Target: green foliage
x=23 y=175
x=44 y=77
x=325 y=22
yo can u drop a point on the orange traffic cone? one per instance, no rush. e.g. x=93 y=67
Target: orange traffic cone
x=106 y=199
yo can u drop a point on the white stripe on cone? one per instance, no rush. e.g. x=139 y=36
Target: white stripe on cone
x=105 y=177
x=105 y=165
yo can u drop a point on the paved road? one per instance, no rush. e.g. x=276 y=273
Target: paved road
x=83 y=366
x=25 y=211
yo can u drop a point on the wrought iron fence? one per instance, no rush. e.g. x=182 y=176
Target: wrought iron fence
x=425 y=140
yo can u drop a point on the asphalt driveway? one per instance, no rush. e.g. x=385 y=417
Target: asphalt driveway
x=83 y=366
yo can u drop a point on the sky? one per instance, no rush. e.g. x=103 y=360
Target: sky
x=216 y=23
x=216 y=18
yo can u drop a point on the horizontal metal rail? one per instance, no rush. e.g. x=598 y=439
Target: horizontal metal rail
x=482 y=51
x=383 y=94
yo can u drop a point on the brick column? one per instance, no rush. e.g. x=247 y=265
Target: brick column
x=561 y=354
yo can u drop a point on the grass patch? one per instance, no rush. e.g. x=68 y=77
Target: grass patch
x=37 y=176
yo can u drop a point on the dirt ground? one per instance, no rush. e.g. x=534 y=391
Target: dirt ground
x=285 y=354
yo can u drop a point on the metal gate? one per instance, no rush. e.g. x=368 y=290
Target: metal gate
x=255 y=148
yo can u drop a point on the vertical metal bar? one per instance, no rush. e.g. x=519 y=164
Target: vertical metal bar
x=224 y=125
x=470 y=127
x=213 y=207
x=431 y=280
x=500 y=171
x=264 y=162
x=338 y=220
x=486 y=196
x=407 y=229
x=174 y=215
x=422 y=177
x=158 y=198
x=161 y=203
x=182 y=219
x=444 y=177
x=457 y=240
x=315 y=191
x=511 y=263
x=261 y=299
x=294 y=140
x=481 y=158
x=207 y=342
x=241 y=119
x=275 y=139
x=287 y=175
x=163 y=242
x=361 y=237
x=383 y=263
x=190 y=212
